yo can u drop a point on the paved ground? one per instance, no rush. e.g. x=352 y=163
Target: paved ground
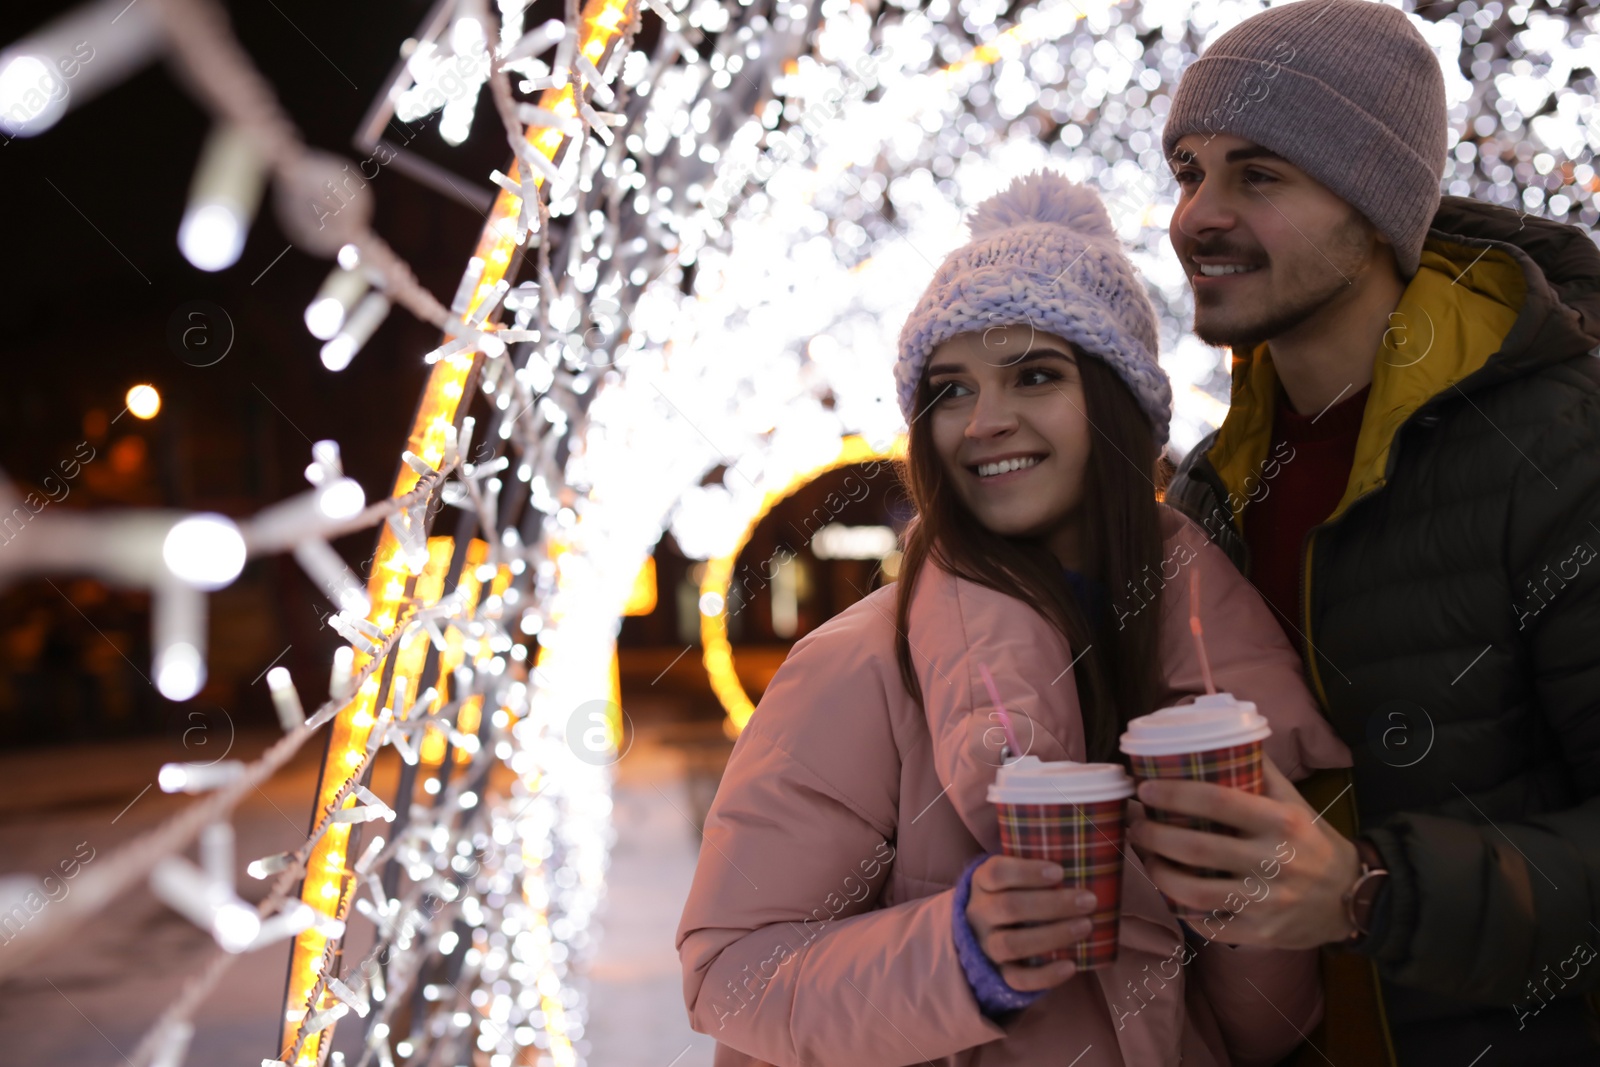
x=638 y=1017
x=88 y=1004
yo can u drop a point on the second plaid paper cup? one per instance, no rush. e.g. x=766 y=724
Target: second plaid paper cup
x=1072 y=814
x=1215 y=739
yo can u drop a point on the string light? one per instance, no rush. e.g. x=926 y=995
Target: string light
x=223 y=197
x=206 y=551
x=143 y=401
x=285 y=699
x=326 y=313
x=179 y=634
x=69 y=60
x=354 y=332
x=197 y=777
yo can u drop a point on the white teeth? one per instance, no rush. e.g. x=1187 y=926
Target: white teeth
x=1218 y=270
x=988 y=470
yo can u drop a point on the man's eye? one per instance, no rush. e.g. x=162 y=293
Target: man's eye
x=1258 y=177
x=1183 y=177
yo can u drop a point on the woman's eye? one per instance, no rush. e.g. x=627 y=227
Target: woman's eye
x=947 y=390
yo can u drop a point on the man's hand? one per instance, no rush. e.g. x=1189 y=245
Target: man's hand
x=1009 y=894
x=1290 y=867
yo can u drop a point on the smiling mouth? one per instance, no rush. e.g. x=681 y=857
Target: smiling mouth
x=993 y=470
x=1223 y=270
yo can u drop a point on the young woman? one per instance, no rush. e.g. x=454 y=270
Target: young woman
x=849 y=908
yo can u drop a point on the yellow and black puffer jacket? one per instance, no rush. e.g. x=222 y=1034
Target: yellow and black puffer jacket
x=1451 y=610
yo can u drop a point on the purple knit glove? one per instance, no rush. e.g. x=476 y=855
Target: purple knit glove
x=994 y=996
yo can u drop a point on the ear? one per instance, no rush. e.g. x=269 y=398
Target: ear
x=1361 y=219
x=1390 y=258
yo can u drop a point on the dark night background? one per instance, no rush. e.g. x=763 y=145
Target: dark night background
x=94 y=283
x=85 y=321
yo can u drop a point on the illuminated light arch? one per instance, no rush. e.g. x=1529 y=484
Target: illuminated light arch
x=439 y=414
x=718 y=577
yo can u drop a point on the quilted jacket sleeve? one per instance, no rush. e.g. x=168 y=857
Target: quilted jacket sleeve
x=785 y=956
x=1481 y=907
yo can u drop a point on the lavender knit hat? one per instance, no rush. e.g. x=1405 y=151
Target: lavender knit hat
x=1042 y=254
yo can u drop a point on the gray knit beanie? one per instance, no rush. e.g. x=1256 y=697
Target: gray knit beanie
x=1346 y=90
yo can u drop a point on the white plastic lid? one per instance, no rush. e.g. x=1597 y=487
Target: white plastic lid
x=1029 y=780
x=1213 y=721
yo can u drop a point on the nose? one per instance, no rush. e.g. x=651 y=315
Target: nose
x=1207 y=209
x=992 y=415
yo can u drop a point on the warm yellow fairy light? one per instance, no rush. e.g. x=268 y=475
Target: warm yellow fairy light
x=642 y=597
x=467 y=720
x=1036 y=26
x=432 y=750
x=441 y=398
x=143 y=401
x=717 y=650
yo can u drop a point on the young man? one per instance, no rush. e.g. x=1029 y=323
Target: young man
x=1410 y=474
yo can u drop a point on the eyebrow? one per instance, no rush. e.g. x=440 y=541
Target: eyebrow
x=1029 y=357
x=1238 y=155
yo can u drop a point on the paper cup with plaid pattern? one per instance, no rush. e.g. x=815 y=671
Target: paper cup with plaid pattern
x=1215 y=739
x=1071 y=813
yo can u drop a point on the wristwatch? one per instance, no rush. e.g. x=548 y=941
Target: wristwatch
x=1363 y=894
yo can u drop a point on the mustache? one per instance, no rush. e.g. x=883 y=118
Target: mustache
x=1223 y=249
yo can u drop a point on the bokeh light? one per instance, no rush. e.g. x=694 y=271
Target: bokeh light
x=143 y=401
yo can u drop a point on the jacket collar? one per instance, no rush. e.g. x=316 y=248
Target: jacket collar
x=1497 y=295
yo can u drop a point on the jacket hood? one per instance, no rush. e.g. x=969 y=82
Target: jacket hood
x=1559 y=264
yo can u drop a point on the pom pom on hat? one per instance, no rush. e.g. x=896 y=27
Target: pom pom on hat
x=1042 y=253
x=1043 y=197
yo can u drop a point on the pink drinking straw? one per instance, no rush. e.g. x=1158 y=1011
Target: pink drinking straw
x=1005 y=717
x=1194 y=628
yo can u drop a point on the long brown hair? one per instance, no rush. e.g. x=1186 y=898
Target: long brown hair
x=1117 y=676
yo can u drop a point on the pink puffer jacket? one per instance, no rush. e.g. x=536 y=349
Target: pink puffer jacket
x=818 y=928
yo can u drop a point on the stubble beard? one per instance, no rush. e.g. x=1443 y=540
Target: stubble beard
x=1309 y=286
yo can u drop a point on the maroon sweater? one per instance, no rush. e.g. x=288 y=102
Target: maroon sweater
x=1303 y=494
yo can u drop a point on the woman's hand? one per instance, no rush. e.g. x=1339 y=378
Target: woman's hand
x=1019 y=908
